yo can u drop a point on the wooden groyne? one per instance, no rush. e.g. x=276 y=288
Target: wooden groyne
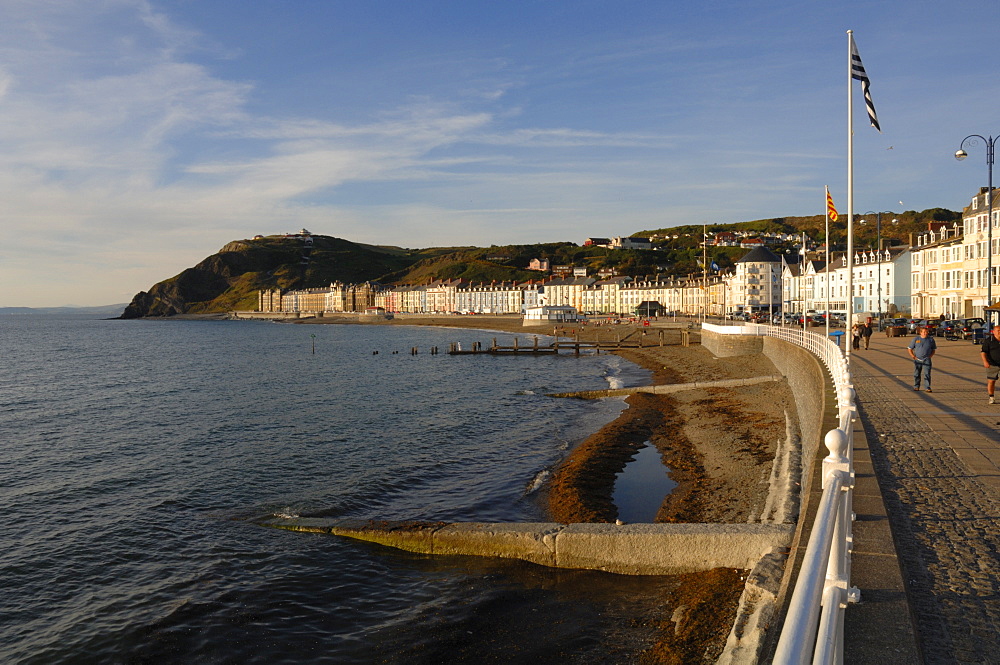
x=634 y=340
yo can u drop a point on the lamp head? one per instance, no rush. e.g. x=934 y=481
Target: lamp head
x=961 y=154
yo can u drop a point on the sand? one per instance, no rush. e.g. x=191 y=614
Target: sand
x=718 y=443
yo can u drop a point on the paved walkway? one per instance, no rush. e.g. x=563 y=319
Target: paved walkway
x=937 y=458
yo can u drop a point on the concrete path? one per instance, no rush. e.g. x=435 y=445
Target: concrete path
x=937 y=458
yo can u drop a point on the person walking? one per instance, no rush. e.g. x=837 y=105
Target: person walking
x=922 y=349
x=866 y=331
x=855 y=337
x=991 y=361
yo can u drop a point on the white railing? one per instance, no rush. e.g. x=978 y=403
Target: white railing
x=813 y=631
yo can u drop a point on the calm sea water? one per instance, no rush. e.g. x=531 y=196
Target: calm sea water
x=136 y=454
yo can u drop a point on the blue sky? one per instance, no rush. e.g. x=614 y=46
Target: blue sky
x=139 y=136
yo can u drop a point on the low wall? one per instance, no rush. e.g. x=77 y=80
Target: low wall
x=807 y=379
x=724 y=346
x=668 y=388
x=629 y=549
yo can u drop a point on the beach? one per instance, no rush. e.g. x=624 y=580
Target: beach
x=719 y=444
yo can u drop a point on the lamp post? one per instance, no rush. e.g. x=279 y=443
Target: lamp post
x=960 y=154
x=878 y=254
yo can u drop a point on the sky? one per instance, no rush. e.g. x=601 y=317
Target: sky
x=138 y=137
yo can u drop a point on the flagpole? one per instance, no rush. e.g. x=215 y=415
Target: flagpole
x=826 y=205
x=704 y=272
x=802 y=282
x=850 y=196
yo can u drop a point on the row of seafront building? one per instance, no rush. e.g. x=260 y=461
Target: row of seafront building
x=942 y=271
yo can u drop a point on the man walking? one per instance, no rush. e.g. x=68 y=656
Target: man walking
x=991 y=360
x=866 y=332
x=921 y=349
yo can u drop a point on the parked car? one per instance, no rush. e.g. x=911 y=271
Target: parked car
x=967 y=327
x=894 y=323
x=947 y=329
x=912 y=325
x=930 y=324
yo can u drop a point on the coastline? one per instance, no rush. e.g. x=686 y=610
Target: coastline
x=718 y=443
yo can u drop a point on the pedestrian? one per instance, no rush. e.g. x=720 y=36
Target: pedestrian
x=855 y=337
x=866 y=331
x=922 y=349
x=991 y=361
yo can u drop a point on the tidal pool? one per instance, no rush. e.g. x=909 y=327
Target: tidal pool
x=641 y=486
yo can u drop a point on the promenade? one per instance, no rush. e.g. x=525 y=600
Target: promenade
x=937 y=459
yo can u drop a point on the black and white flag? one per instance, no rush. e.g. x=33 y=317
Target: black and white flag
x=858 y=73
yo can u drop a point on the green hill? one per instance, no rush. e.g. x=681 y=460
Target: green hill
x=230 y=279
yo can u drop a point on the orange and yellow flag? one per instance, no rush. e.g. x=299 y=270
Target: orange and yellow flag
x=831 y=211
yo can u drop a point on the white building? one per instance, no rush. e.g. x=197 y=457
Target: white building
x=756 y=284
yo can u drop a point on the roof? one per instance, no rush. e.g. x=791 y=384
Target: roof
x=759 y=255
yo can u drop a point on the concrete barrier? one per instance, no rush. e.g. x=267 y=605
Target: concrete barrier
x=629 y=549
x=666 y=389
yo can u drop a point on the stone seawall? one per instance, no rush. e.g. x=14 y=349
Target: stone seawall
x=725 y=346
x=808 y=381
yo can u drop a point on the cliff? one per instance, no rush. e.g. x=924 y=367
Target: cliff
x=231 y=278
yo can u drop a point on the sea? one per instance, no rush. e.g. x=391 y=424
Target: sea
x=138 y=455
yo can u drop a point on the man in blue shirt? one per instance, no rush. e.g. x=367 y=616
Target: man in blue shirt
x=921 y=349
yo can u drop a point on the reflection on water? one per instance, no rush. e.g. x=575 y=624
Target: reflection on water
x=641 y=486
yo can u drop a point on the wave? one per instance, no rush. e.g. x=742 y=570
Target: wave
x=538 y=481
x=612 y=374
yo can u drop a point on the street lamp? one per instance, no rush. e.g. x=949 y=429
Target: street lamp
x=878 y=269
x=960 y=154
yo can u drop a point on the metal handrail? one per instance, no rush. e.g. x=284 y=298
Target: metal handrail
x=813 y=631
